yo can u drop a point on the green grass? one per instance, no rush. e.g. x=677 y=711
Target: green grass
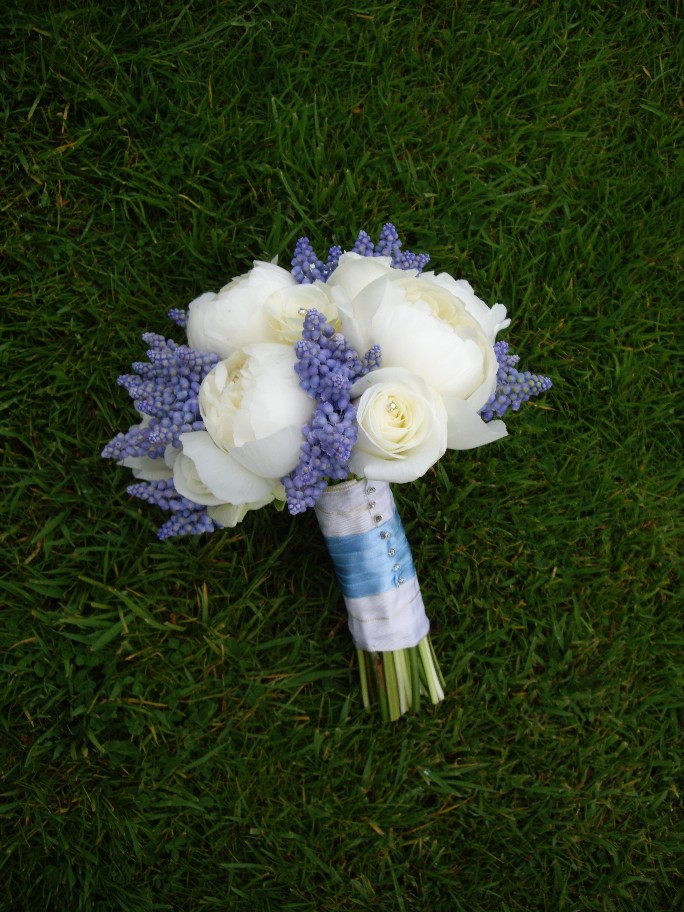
x=181 y=722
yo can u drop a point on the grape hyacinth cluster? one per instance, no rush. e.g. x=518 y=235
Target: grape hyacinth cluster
x=188 y=517
x=513 y=387
x=165 y=389
x=327 y=367
x=306 y=267
x=165 y=392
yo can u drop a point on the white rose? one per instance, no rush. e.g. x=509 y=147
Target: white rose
x=435 y=327
x=402 y=426
x=254 y=409
x=265 y=305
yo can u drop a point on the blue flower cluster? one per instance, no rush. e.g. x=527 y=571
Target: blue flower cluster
x=306 y=267
x=166 y=389
x=327 y=367
x=512 y=387
x=188 y=518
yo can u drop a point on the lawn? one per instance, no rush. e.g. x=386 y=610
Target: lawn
x=182 y=725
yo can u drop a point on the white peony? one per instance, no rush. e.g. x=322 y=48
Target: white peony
x=402 y=426
x=254 y=409
x=208 y=475
x=235 y=316
x=355 y=271
x=264 y=305
x=435 y=327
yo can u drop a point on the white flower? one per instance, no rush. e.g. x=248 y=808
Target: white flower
x=254 y=410
x=285 y=310
x=402 y=426
x=491 y=319
x=264 y=305
x=235 y=316
x=229 y=515
x=208 y=475
x=435 y=327
x=355 y=271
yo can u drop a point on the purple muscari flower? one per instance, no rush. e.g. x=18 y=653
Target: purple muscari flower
x=166 y=389
x=512 y=387
x=334 y=255
x=179 y=316
x=188 y=518
x=364 y=246
x=306 y=267
x=327 y=367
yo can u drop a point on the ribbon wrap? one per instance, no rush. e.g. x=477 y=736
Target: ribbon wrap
x=367 y=543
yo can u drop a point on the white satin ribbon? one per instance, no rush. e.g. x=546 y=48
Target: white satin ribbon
x=367 y=543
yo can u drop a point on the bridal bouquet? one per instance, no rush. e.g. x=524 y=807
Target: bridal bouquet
x=318 y=387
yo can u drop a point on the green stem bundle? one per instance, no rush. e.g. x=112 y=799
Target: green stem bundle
x=397 y=680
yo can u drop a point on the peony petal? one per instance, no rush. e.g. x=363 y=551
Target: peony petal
x=147 y=469
x=236 y=316
x=229 y=515
x=466 y=429
x=354 y=272
x=225 y=477
x=411 y=338
x=491 y=319
x=187 y=482
x=274 y=456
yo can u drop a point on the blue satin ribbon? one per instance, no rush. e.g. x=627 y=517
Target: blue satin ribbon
x=363 y=564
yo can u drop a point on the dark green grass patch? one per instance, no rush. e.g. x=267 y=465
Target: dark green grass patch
x=181 y=725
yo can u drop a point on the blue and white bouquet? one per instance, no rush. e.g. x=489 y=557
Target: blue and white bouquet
x=318 y=387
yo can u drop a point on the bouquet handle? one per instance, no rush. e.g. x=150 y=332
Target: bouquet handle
x=367 y=543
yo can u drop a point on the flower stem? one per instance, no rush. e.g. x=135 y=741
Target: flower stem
x=395 y=680
x=433 y=683
x=364 y=678
x=380 y=685
x=415 y=677
x=391 y=679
